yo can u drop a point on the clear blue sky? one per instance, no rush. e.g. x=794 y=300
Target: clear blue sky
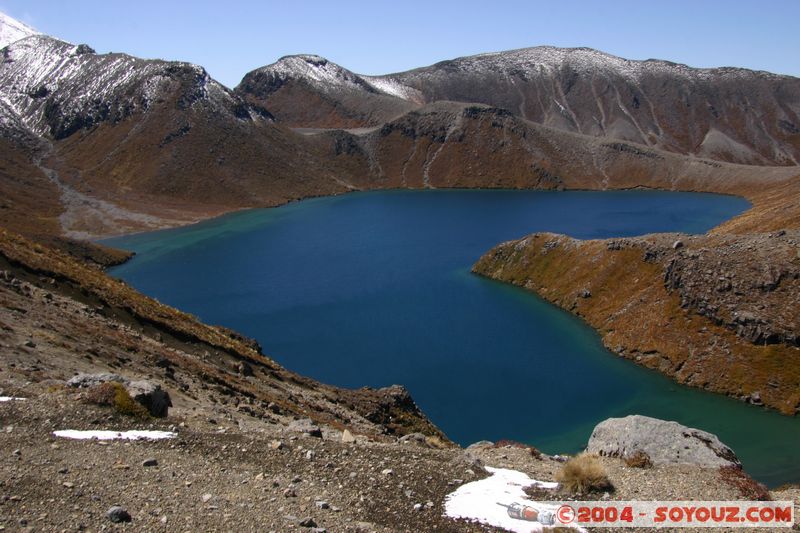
x=231 y=37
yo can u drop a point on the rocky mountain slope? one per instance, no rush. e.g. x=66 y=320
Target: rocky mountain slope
x=138 y=144
x=130 y=144
x=449 y=144
x=308 y=90
x=63 y=317
x=727 y=114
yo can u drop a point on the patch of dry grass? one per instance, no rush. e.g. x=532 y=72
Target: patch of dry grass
x=114 y=395
x=583 y=474
x=749 y=488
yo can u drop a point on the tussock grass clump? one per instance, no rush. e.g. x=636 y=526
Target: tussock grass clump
x=583 y=474
x=638 y=459
x=113 y=394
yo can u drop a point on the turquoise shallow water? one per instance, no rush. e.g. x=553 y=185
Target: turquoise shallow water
x=375 y=289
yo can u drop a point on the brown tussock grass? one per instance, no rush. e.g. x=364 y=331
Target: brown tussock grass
x=584 y=474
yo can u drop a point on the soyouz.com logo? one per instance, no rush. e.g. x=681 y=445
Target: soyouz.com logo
x=657 y=514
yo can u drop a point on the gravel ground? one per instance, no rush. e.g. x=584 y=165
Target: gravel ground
x=261 y=478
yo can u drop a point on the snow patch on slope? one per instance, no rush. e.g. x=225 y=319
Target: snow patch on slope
x=478 y=501
x=12 y=30
x=315 y=69
x=549 y=59
x=328 y=76
x=41 y=77
x=114 y=435
x=392 y=87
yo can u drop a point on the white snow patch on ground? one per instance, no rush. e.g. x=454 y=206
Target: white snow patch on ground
x=393 y=87
x=114 y=435
x=478 y=501
x=10 y=399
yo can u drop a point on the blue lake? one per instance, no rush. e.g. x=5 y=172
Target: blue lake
x=375 y=288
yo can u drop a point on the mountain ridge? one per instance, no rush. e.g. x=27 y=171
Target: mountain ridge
x=726 y=113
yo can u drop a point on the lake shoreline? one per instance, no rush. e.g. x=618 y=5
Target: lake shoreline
x=286 y=320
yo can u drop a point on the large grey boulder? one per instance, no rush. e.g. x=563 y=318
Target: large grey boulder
x=665 y=442
x=85 y=381
x=147 y=393
x=305 y=425
x=151 y=395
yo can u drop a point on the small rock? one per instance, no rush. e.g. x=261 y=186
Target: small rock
x=310 y=455
x=470 y=461
x=305 y=425
x=118 y=514
x=68 y=484
x=276 y=445
x=289 y=493
x=63 y=470
x=150 y=395
x=387 y=472
x=17 y=452
x=414 y=438
x=150 y=462
x=206 y=497
x=347 y=436
x=308 y=522
x=418 y=507
x=677 y=244
x=244 y=369
x=322 y=504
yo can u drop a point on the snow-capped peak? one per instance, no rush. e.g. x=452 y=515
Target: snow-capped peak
x=12 y=30
x=329 y=76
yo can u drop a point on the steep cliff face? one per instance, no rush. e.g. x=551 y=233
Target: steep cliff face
x=727 y=114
